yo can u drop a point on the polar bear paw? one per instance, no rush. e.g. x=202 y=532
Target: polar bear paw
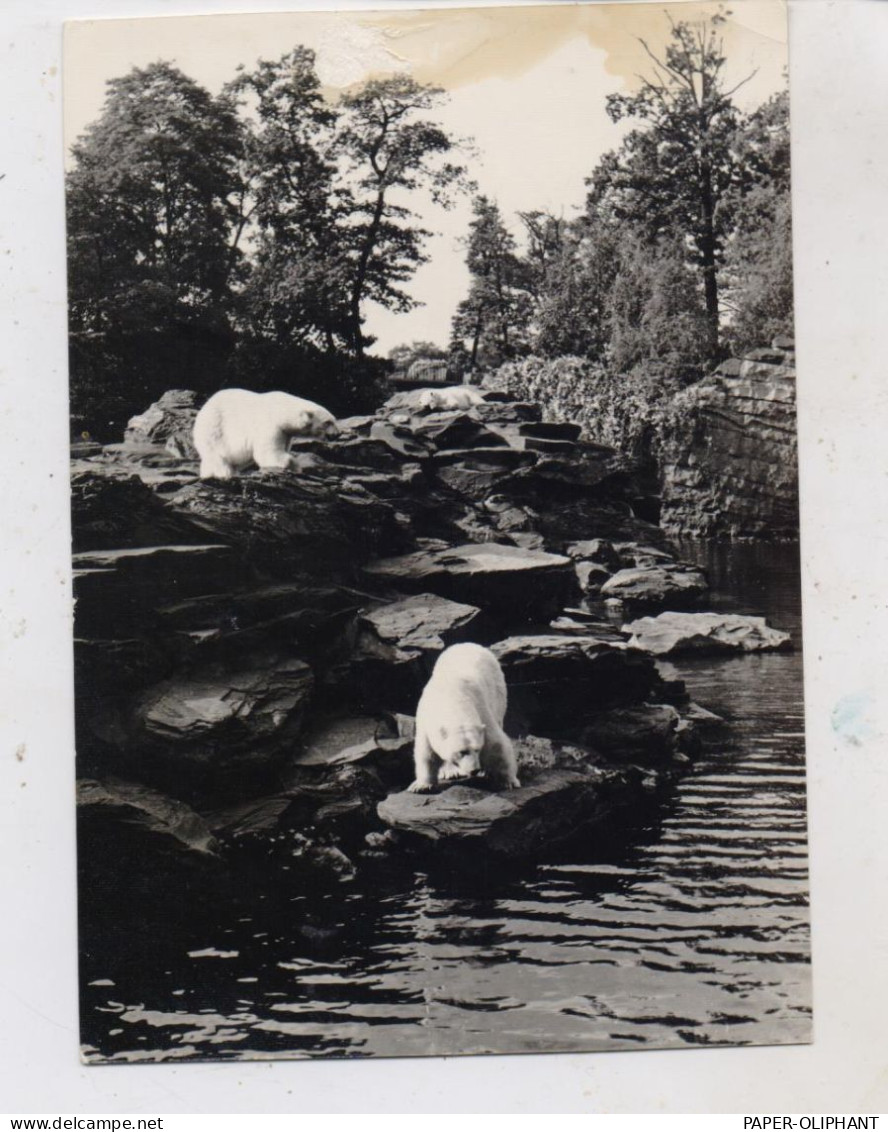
x=421 y=787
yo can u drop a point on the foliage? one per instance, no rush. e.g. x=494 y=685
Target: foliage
x=759 y=256
x=390 y=149
x=618 y=410
x=151 y=211
x=674 y=177
x=495 y=316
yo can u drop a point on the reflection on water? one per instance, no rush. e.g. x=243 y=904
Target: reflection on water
x=694 y=933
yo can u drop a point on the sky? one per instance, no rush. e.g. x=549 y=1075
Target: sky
x=527 y=84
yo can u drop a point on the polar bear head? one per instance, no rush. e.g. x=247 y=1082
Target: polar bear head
x=461 y=747
x=322 y=424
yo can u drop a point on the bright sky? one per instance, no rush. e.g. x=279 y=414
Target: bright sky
x=527 y=84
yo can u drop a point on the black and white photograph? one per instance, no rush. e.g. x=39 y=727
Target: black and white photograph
x=435 y=520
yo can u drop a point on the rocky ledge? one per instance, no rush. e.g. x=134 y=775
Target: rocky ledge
x=728 y=450
x=249 y=653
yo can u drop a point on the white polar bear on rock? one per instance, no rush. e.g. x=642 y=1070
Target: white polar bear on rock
x=451 y=397
x=237 y=428
x=459 y=721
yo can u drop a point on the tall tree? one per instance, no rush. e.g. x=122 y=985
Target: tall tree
x=298 y=283
x=758 y=267
x=675 y=175
x=391 y=148
x=152 y=226
x=495 y=316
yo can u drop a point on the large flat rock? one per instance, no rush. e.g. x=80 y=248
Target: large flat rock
x=553 y=806
x=672 y=634
x=523 y=584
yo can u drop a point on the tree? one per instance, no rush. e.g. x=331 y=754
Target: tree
x=675 y=176
x=759 y=255
x=389 y=149
x=152 y=240
x=296 y=293
x=572 y=298
x=656 y=321
x=496 y=314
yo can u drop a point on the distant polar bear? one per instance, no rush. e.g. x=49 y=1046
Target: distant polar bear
x=459 y=721
x=452 y=397
x=237 y=428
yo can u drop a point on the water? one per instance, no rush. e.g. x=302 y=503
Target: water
x=692 y=931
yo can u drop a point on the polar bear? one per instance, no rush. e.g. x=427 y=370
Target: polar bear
x=452 y=397
x=237 y=428
x=459 y=721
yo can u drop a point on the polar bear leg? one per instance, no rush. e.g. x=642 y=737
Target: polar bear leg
x=500 y=762
x=215 y=468
x=425 y=763
x=271 y=453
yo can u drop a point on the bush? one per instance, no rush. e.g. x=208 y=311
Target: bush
x=619 y=410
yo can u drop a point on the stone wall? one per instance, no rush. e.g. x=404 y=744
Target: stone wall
x=728 y=451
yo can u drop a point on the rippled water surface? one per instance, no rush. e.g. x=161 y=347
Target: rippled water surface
x=693 y=930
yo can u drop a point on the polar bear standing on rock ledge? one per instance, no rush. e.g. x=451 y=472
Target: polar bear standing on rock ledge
x=237 y=428
x=459 y=721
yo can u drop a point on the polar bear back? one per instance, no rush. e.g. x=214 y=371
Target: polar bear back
x=452 y=397
x=467 y=683
x=237 y=428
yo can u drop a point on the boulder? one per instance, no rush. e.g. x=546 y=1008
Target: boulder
x=672 y=634
x=646 y=733
x=214 y=728
x=169 y=422
x=556 y=681
x=653 y=587
x=596 y=550
x=397 y=644
x=551 y=807
x=507 y=581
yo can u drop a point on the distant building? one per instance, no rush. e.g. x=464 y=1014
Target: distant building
x=422 y=372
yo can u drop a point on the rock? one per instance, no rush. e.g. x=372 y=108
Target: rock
x=553 y=806
x=117 y=591
x=521 y=584
x=597 y=550
x=645 y=733
x=506 y=412
x=111 y=508
x=169 y=421
x=457 y=430
x=166 y=821
x=652 y=587
x=396 y=646
x=139 y=847
x=380 y=743
x=476 y=474
x=728 y=452
x=557 y=681
x=402 y=441
x=211 y=729
x=783 y=342
x=283 y=522
x=591 y=576
x=676 y=633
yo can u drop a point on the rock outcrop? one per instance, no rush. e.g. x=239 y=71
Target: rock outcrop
x=255 y=648
x=728 y=451
x=674 y=634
